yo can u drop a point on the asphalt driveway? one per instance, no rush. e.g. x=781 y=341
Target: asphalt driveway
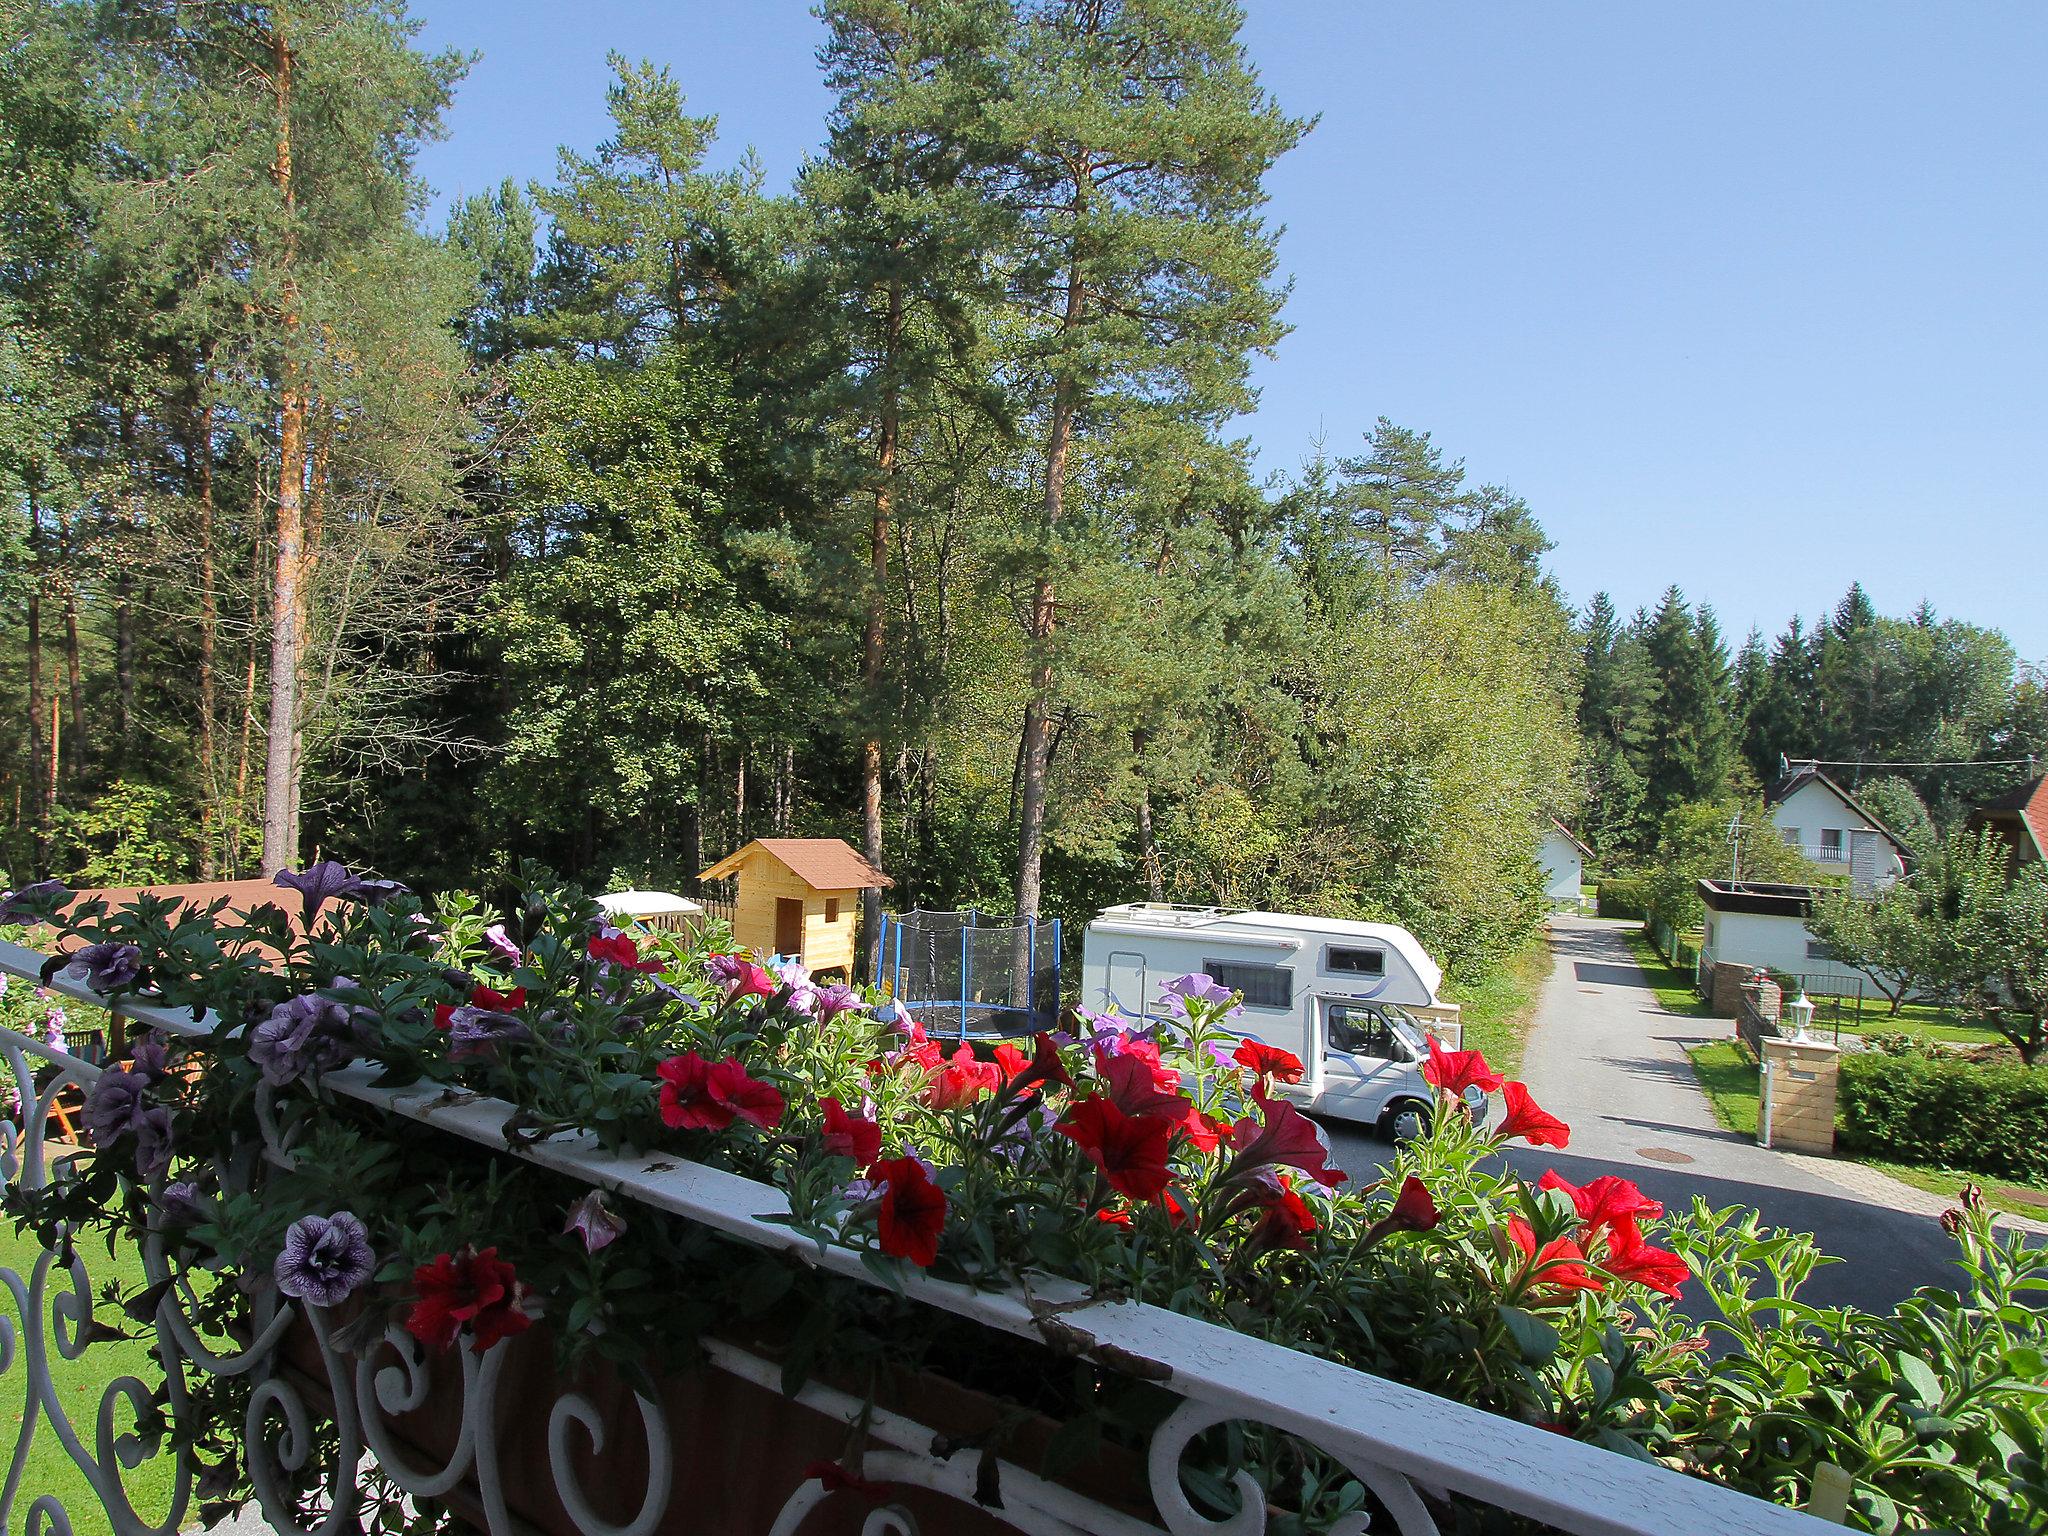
x=1606 y=1059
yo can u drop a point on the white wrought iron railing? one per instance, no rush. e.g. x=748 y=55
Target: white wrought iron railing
x=1398 y=1441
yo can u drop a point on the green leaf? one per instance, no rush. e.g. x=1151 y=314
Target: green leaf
x=1535 y=1338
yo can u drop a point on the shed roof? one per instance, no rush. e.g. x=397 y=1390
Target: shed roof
x=823 y=863
x=2024 y=810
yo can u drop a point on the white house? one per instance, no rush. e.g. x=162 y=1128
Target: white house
x=1823 y=821
x=1563 y=860
x=1754 y=925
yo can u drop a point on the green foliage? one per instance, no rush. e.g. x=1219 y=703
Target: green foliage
x=1626 y=894
x=1896 y=935
x=1694 y=843
x=132 y=834
x=1930 y=1107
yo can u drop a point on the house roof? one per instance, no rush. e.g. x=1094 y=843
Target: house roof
x=822 y=863
x=1802 y=774
x=1571 y=837
x=2024 y=810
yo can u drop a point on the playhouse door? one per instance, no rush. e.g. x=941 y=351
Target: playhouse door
x=789 y=926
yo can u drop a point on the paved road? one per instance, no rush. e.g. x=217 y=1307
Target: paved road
x=1606 y=1059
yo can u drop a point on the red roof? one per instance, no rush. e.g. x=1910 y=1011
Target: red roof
x=822 y=863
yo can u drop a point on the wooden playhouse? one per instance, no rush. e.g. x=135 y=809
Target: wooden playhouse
x=798 y=896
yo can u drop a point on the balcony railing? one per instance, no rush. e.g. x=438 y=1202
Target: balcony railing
x=1399 y=1442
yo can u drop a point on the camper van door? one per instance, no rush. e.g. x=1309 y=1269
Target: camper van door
x=1365 y=1058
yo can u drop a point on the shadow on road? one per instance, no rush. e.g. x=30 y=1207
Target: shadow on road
x=1604 y=974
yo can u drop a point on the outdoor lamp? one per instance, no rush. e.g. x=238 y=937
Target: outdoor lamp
x=1801 y=1011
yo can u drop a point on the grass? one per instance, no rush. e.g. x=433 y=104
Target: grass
x=1496 y=1010
x=1729 y=1079
x=1920 y=1019
x=79 y=1386
x=1673 y=987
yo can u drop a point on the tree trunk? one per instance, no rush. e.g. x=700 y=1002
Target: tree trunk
x=39 y=807
x=239 y=830
x=199 y=458
x=287 y=643
x=872 y=634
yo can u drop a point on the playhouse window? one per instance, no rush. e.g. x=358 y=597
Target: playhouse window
x=1263 y=986
x=1360 y=962
x=831 y=909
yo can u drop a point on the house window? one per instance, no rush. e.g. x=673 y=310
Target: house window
x=1831 y=842
x=1790 y=834
x=831 y=909
x=1360 y=962
x=1263 y=986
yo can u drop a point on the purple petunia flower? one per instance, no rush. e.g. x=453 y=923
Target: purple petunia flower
x=153 y=1141
x=105 y=966
x=1198 y=986
x=724 y=970
x=150 y=1057
x=32 y=902
x=597 y=1224
x=119 y=1106
x=837 y=999
x=676 y=994
x=500 y=944
x=474 y=1034
x=318 y=884
x=181 y=1204
x=325 y=1259
x=303 y=1035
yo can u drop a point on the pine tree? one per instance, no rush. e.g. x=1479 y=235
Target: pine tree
x=1133 y=140
x=1402 y=498
x=1687 y=751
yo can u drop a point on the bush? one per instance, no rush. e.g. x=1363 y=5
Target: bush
x=1624 y=895
x=1947 y=1113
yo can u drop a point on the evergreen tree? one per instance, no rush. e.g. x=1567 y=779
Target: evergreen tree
x=1686 y=750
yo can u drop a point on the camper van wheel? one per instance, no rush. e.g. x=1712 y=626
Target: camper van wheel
x=1405 y=1120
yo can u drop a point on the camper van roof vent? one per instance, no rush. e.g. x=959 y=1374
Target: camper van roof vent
x=1167 y=913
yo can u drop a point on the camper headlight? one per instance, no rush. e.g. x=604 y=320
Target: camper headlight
x=1476 y=1103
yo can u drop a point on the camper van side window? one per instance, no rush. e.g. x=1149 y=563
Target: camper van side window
x=1361 y=962
x=1263 y=986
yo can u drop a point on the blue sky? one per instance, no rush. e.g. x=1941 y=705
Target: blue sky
x=1746 y=297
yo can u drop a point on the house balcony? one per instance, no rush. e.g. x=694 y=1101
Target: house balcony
x=511 y=1445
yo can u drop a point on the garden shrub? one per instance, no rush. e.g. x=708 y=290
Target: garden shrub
x=1939 y=1111
x=1625 y=895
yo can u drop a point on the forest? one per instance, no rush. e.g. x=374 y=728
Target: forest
x=641 y=511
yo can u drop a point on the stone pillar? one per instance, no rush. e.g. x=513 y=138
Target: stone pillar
x=1724 y=988
x=1796 y=1112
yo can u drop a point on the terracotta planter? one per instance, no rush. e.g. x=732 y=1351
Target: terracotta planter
x=738 y=1450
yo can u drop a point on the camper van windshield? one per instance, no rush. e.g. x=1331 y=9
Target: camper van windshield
x=1410 y=1033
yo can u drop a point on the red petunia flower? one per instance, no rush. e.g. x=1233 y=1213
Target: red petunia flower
x=911 y=1213
x=480 y=997
x=1120 y=1215
x=1129 y=1149
x=1561 y=1266
x=1631 y=1258
x=1285 y=1222
x=1138 y=1084
x=476 y=1291
x=1606 y=1202
x=853 y=1136
x=1414 y=1211
x=836 y=1479
x=1530 y=1121
x=620 y=950
x=1288 y=1138
x=699 y=1095
x=1012 y=1061
x=961 y=1080
x=1452 y=1072
x=1267 y=1062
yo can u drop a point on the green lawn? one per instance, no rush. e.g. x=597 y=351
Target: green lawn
x=1729 y=1079
x=1673 y=987
x=1917 y=1019
x=80 y=1384
x=1497 y=1010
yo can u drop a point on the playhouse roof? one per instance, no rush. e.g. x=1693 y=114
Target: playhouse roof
x=822 y=863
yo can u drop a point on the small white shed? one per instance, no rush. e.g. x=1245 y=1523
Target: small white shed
x=1563 y=860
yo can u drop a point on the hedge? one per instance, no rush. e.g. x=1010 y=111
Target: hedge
x=1624 y=895
x=1946 y=1113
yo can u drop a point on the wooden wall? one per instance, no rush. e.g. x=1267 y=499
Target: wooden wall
x=761 y=882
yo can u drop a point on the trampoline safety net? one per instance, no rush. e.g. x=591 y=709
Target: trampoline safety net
x=971 y=973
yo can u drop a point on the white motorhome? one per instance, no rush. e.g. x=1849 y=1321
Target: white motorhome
x=1339 y=994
